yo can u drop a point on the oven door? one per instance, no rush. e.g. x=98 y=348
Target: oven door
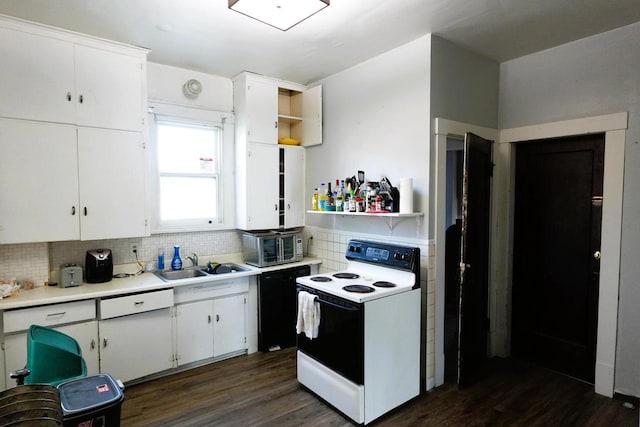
x=340 y=342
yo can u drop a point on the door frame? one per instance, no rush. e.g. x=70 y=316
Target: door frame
x=501 y=247
x=445 y=129
x=614 y=127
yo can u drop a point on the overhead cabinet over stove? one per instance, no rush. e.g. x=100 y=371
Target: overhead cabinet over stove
x=269 y=175
x=72 y=135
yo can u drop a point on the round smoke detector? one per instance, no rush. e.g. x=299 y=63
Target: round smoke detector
x=192 y=88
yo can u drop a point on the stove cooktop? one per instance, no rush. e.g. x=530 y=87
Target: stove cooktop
x=361 y=282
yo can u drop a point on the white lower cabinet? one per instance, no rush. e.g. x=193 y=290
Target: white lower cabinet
x=210 y=328
x=76 y=319
x=194 y=331
x=229 y=324
x=135 y=346
x=136 y=335
x=15 y=348
x=211 y=319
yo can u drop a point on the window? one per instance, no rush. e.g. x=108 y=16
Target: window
x=192 y=166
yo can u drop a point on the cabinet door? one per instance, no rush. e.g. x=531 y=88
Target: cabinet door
x=15 y=355
x=36 y=77
x=87 y=336
x=112 y=184
x=229 y=324
x=194 y=331
x=293 y=187
x=312 y=116
x=109 y=89
x=39 y=176
x=15 y=348
x=262 y=111
x=262 y=190
x=135 y=346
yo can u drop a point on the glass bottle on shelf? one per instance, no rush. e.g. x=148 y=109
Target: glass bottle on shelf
x=330 y=206
x=314 y=200
x=322 y=197
x=339 y=197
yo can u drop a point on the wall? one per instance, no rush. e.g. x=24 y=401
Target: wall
x=592 y=76
x=376 y=119
x=164 y=83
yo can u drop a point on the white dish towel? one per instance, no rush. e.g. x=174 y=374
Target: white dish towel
x=308 y=315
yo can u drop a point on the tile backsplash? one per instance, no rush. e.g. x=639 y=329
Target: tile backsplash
x=34 y=261
x=28 y=261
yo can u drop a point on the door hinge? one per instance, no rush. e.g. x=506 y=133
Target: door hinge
x=491 y=166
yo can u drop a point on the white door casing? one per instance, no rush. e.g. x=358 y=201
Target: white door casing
x=614 y=126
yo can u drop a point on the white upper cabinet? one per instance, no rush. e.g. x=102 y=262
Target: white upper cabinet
x=39 y=176
x=268 y=109
x=312 y=116
x=53 y=76
x=61 y=182
x=72 y=136
x=257 y=190
x=293 y=186
x=109 y=89
x=111 y=176
x=36 y=77
x=262 y=111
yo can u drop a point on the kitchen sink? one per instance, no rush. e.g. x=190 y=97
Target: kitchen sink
x=181 y=274
x=225 y=268
x=192 y=272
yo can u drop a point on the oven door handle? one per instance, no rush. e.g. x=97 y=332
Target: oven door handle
x=336 y=305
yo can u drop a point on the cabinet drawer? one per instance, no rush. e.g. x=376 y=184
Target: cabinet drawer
x=210 y=290
x=49 y=315
x=138 y=303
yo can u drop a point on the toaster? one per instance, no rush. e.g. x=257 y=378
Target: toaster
x=98 y=266
x=70 y=275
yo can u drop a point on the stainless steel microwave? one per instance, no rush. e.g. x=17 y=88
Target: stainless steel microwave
x=272 y=248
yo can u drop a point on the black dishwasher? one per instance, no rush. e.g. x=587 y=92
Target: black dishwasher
x=277 y=308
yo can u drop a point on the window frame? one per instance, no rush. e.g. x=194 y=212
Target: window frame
x=182 y=115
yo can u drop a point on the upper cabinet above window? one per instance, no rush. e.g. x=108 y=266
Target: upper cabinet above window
x=49 y=76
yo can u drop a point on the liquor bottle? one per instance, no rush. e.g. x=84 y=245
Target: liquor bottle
x=339 y=196
x=330 y=206
x=314 y=200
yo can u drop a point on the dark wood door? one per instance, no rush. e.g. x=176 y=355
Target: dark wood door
x=558 y=212
x=474 y=257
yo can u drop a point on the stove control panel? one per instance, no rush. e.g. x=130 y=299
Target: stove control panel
x=402 y=257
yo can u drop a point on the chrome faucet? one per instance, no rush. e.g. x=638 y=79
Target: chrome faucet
x=194 y=259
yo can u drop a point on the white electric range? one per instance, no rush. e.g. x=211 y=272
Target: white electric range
x=365 y=360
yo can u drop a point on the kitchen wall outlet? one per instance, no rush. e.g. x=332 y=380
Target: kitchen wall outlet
x=133 y=247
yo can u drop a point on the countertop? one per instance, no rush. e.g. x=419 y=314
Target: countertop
x=144 y=282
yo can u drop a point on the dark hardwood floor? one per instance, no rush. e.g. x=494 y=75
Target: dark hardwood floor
x=261 y=390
